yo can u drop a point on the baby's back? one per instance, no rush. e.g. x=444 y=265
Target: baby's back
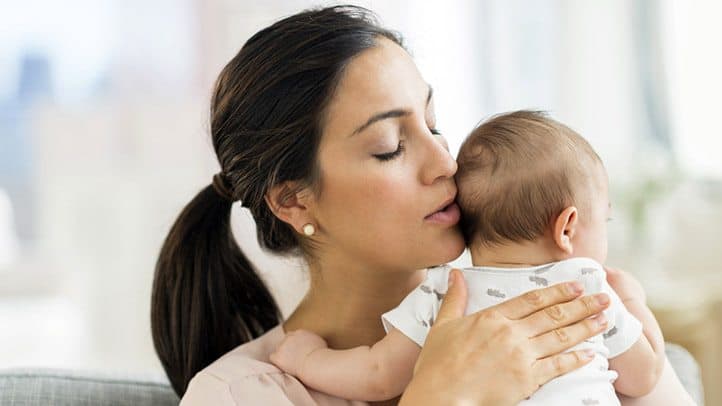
x=589 y=385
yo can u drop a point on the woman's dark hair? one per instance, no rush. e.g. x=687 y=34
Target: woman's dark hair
x=266 y=117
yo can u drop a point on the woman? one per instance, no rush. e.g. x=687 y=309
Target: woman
x=325 y=131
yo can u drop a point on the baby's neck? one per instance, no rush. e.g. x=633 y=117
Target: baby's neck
x=515 y=254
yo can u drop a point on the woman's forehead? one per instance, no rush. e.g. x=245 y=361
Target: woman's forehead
x=379 y=79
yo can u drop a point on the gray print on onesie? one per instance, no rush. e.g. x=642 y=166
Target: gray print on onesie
x=495 y=293
x=539 y=280
x=439 y=297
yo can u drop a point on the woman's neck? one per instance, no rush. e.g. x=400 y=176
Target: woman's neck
x=345 y=302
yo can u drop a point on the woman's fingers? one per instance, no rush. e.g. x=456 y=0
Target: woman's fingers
x=564 y=314
x=549 y=368
x=560 y=339
x=535 y=300
x=454 y=304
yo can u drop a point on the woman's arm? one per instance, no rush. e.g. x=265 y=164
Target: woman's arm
x=668 y=389
x=374 y=373
x=502 y=354
x=668 y=392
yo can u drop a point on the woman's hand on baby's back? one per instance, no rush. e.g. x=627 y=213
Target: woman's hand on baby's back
x=503 y=354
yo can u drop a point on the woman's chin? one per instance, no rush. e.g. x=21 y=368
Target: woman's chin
x=451 y=246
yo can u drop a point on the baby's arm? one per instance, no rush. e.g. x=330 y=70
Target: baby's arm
x=639 y=367
x=374 y=373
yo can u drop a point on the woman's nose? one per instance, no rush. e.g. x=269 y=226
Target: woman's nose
x=438 y=163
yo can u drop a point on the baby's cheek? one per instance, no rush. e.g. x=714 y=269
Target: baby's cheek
x=601 y=245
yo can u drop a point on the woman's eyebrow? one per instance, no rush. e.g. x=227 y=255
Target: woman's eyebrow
x=390 y=114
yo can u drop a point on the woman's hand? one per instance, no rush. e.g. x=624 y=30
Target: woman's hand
x=503 y=354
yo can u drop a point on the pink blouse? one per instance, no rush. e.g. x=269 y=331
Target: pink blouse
x=245 y=376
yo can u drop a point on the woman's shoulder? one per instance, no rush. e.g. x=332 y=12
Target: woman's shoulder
x=241 y=375
x=251 y=358
x=245 y=375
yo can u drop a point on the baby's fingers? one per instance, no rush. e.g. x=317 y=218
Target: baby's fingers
x=294 y=348
x=281 y=359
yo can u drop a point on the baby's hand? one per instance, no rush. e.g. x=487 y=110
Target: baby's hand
x=625 y=285
x=293 y=350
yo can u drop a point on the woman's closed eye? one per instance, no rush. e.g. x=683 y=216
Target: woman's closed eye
x=400 y=148
x=391 y=155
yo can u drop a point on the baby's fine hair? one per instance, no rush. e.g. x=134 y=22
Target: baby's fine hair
x=517 y=172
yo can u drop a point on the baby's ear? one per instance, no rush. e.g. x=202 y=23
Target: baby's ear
x=565 y=227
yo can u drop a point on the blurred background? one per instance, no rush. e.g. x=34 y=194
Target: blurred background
x=104 y=138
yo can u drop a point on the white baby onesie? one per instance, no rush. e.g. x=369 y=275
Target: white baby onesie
x=589 y=385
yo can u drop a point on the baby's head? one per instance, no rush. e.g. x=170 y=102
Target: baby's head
x=529 y=181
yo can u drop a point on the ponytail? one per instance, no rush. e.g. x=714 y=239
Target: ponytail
x=207 y=297
x=267 y=110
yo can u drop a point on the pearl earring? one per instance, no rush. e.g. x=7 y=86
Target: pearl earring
x=309 y=229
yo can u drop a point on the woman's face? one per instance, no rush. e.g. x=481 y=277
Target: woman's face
x=386 y=174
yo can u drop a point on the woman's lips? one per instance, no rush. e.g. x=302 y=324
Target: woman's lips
x=449 y=215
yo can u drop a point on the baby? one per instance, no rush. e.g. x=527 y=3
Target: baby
x=534 y=199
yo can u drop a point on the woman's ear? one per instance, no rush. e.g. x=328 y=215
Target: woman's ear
x=565 y=227
x=289 y=203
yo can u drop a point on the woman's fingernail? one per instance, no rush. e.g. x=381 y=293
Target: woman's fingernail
x=575 y=287
x=602 y=299
x=588 y=353
x=451 y=279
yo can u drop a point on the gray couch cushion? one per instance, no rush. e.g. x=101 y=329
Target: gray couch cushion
x=31 y=387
